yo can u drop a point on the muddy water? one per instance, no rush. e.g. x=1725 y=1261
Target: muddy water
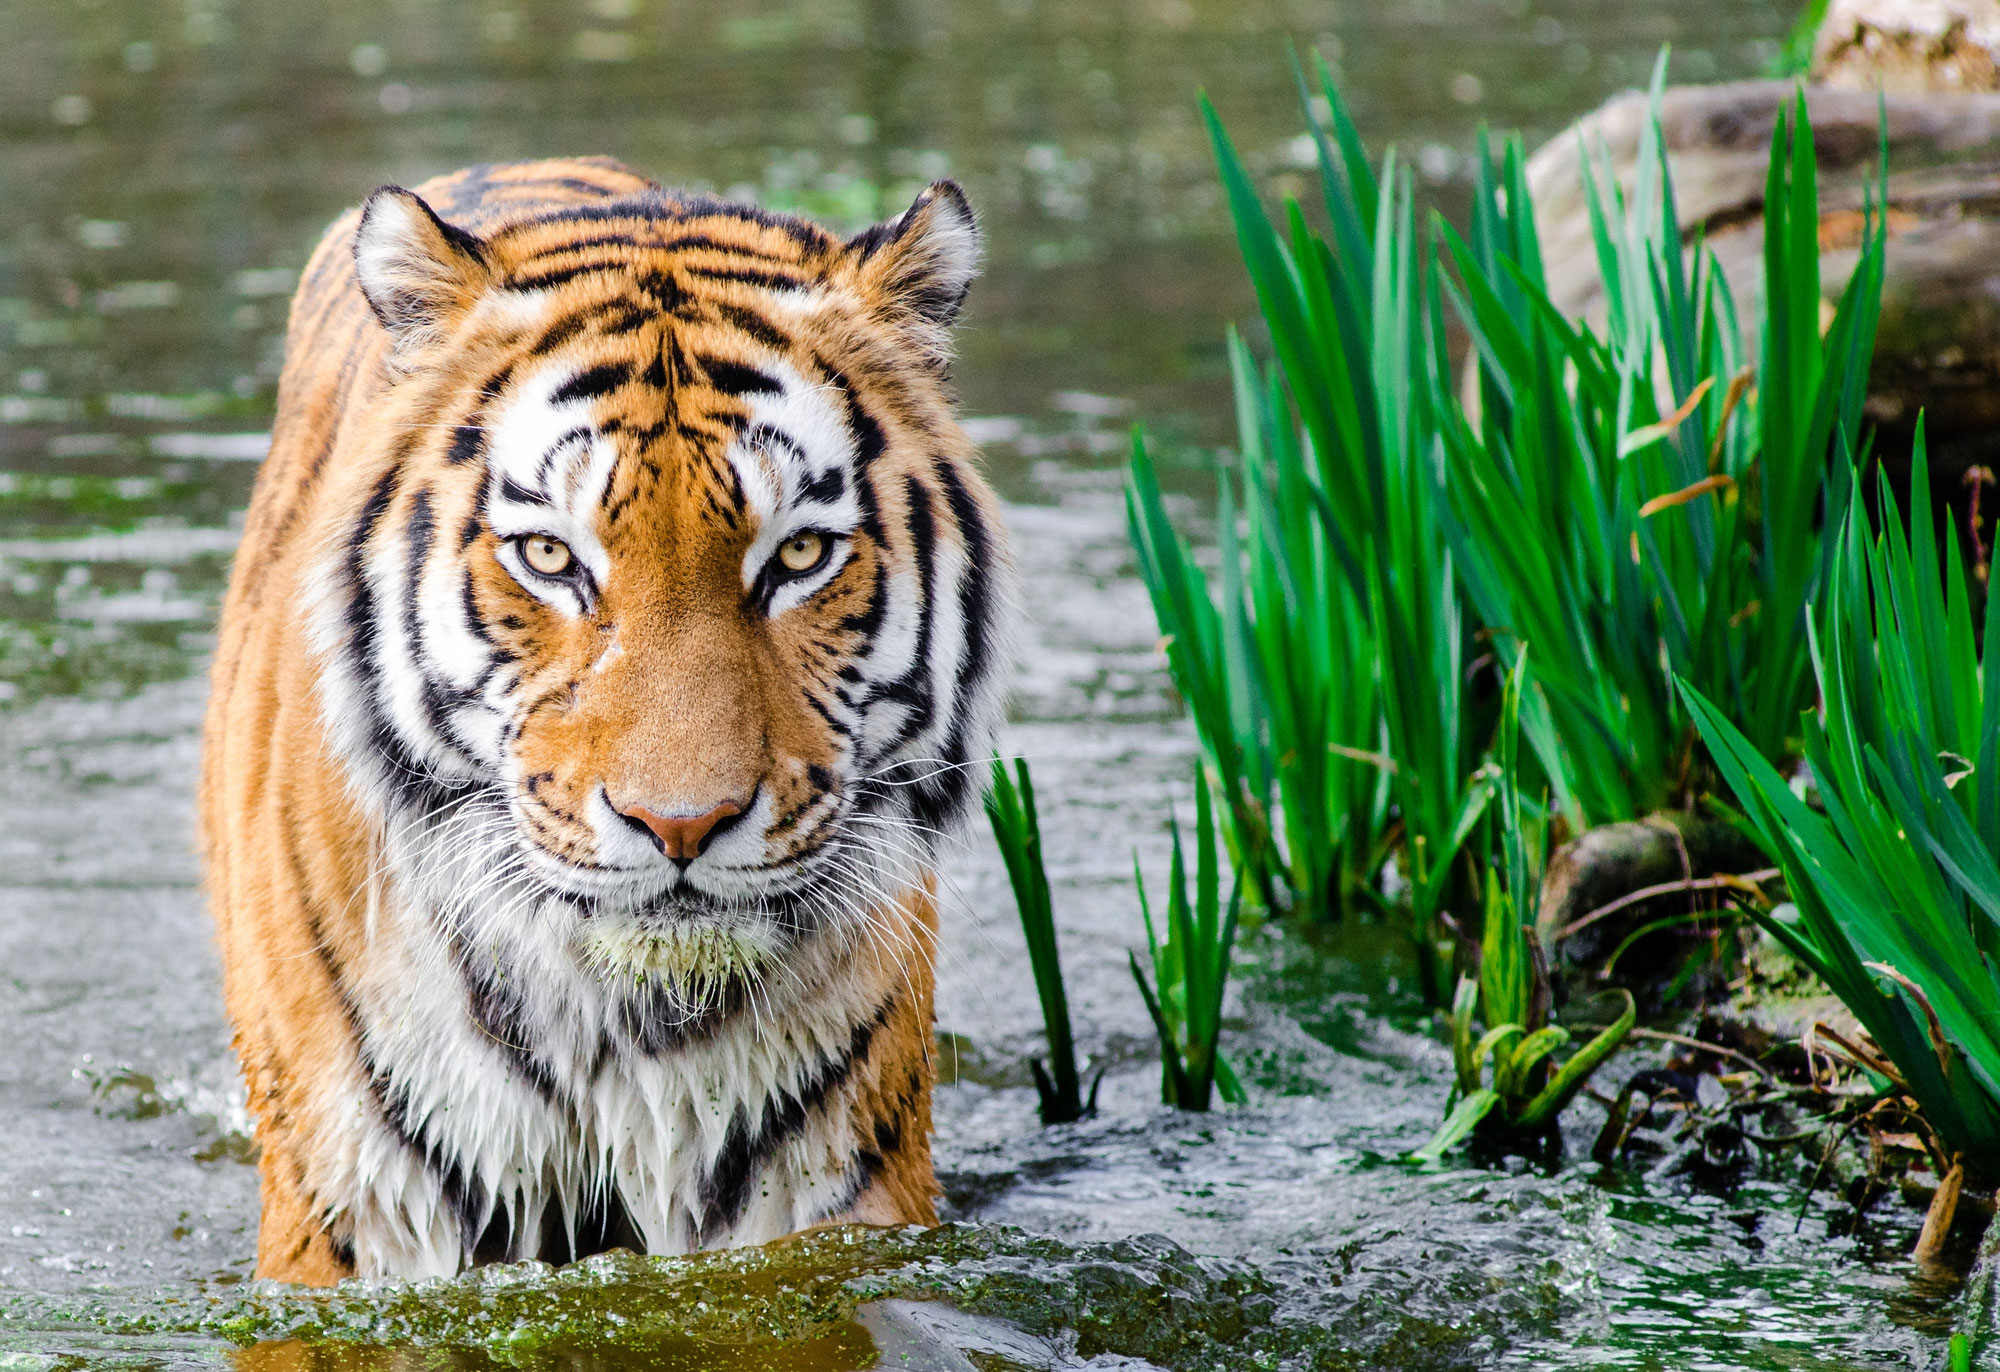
x=163 y=172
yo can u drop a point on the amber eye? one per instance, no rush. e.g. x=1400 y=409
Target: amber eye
x=804 y=551
x=546 y=556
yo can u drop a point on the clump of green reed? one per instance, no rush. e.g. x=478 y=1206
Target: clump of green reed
x=1642 y=505
x=1324 y=669
x=1895 y=882
x=1010 y=806
x=1500 y=1018
x=1633 y=500
x=1190 y=958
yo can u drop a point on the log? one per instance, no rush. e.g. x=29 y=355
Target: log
x=1938 y=348
x=1909 y=46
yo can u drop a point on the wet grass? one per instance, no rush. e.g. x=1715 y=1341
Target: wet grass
x=1010 y=807
x=1632 y=498
x=1190 y=961
x=1644 y=497
x=1895 y=872
x=1341 y=564
x=1510 y=997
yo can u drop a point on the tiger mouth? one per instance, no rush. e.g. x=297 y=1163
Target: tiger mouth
x=696 y=945
x=685 y=905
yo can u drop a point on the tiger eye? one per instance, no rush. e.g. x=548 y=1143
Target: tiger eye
x=802 y=551
x=547 y=556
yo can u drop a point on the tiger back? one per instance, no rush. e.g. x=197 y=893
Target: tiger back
x=618 y=619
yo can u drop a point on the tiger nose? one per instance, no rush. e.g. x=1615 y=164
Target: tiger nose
x=681 y=837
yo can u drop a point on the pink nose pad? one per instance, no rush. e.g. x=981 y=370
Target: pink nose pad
x=681 y=839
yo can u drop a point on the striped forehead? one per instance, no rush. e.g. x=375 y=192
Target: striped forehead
x=783 y=448
x=795 y=456
x=549 y=466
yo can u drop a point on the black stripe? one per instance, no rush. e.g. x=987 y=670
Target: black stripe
x=463 y=1195
x=826 y=488
x=702 y=240
x=410 y=785
x=972 y=587
x=655 y=1019
x=869 y=620
x=496 y=384
x=622 y=319
x=602 y=379
x=801 y=231
x=602 y=240
x=642 y=205
x=775 y=281
x=733 y=378
x=766 y=437
x=566 y=183
x=754 y=324
x=468 y=444
x=819 y=708
x=562 y=276
x=869 y=445
x=914 y=688
x=519 y=494
x=664 y=289
x=440 y=699
x=497 y=1008
x=869 y=440
x=746 y=1148
x=560 y=332
x=942 y=794
x=343 y=996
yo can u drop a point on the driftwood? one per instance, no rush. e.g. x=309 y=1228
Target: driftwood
x=1938 y=348
x=1909 y=46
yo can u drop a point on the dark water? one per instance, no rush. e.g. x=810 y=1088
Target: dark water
x=165 y=168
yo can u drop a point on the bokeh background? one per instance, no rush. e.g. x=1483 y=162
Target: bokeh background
x=166 y=165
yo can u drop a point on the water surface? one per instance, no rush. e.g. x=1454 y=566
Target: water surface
x=165 y=169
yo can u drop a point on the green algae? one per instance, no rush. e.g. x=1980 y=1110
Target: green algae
x=794 y=1301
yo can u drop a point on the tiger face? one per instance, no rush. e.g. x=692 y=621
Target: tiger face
x=666 y=639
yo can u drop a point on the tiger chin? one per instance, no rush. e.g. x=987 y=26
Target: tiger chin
x=618 y=619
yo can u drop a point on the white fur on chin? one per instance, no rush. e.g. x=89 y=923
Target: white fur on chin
x=697 y=958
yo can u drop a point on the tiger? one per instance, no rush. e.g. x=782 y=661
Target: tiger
x=619 y=616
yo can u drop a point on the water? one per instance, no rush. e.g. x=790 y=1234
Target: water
x=164 y=170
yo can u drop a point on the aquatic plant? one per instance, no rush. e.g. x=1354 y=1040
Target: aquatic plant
x=1794 y=56
x=1190 y=959
x=1509 y=998
x=1632 y=499
x=1895 y=882
x=1010 y=807
x=1329 y=676
x=1642 y=505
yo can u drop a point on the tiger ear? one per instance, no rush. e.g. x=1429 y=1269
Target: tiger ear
x=919 y=265
x=417 y=272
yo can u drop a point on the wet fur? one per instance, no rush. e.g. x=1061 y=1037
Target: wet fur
x=478 y=1020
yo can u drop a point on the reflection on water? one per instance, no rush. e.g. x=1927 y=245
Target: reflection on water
x=164 y=170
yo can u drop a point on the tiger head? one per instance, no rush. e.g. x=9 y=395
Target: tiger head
x=671 y=618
